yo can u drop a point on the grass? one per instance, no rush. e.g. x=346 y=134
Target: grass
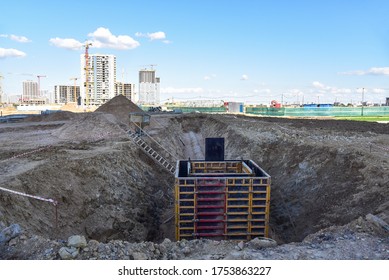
x=365 y=118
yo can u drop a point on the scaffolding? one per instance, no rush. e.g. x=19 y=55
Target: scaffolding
x=221 y=200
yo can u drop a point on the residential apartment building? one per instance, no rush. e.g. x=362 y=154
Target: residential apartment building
x=31 y=94
x=65 y=94
x=126 y=89
x=148 y=87
x=30 y=90
x=101 y=79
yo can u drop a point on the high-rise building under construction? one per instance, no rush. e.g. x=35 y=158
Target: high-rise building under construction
x=101 y=73
x=148 y=87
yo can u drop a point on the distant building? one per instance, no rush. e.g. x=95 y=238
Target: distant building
x=126 y=89
x=30 y=90
x=31 y=93
x=148 y=88
x=387 y=101
x=65 y=94
x=101 y=79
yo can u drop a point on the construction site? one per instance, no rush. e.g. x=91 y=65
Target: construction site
x=137 y=185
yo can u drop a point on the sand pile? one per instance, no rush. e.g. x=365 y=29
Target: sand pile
x=91 y=127
x=57 y=116
x=120 y=106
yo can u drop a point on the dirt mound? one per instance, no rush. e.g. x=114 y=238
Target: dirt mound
x=91 y=127
x=120 y=106
x=57 y=116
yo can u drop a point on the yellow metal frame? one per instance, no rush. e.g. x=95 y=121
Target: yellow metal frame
x=247 y=200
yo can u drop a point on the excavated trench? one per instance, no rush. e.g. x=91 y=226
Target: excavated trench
x=112 y=190
x=317 y=181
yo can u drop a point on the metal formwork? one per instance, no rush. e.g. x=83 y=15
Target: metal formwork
x=221 y=200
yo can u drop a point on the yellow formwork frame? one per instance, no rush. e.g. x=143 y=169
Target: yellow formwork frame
x=234 y=228
x=177 y=209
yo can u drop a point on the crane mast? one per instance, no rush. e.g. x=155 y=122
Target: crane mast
x=74 y=89
x=39 y=84
x=87 y=72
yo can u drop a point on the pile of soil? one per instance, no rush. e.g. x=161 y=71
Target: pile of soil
x=57 y=116
x=120 y=106
x=91 y=127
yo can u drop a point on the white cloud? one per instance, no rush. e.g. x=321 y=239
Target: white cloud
x=160 y=35
x=11 y=53
x=321 y=88
x=157 y=35
x=20 y=39
x=70 y=44
x=378 y=71
x=244 y=77
x=317 y=84
x=209 y=77
x=264 y=90
x=378 y=90
x=295 y=92
x=100 y=38
x=182 y=90
x=103 y=38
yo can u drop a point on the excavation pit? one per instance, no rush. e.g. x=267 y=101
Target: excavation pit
x=322 y=176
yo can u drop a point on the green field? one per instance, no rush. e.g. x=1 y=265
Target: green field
x=365 y=119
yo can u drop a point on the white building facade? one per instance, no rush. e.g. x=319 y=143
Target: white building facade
x=149 y=88
x=30 y=91
x=101 y=79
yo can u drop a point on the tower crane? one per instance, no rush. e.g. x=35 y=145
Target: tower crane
x=75 y=88
x=39 y=84
x=87 y=45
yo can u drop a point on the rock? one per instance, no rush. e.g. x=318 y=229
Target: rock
x=241 y=245
x=2 y=223
x=77 y=241
x=162 y=248
x=378 y=222
x=93 y=244
x=9 y=233
x=67 y=253
x=139 y=256
x=186 y=251
x=258 y=243
x=13 y=242
x=166 y=242
x=151 y=247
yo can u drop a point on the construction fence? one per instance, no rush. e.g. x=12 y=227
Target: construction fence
x=319 y=111
x=289 y=111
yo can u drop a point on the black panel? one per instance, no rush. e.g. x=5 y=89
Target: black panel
x=214 y=149
x=183 y=168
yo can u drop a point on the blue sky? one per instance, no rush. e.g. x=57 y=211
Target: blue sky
x=245 y=50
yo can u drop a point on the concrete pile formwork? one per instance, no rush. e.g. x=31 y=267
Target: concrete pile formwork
x=221 y=200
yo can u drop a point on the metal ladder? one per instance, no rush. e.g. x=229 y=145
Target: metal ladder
x=151 y=152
